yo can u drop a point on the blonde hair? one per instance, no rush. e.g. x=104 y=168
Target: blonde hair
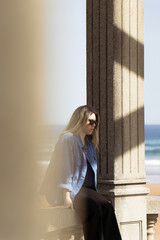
x=79 y=119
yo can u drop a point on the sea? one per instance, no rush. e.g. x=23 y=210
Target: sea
x=152 y=153
x=152 y=148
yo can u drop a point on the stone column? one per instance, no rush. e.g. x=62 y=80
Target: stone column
x=20 y=104
x=115 y=88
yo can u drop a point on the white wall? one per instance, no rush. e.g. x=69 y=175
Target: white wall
x=64 y=59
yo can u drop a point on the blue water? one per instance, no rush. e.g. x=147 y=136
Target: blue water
x=152 y=153
x=152 y=142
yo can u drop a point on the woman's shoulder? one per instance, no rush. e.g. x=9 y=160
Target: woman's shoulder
x=66 y=137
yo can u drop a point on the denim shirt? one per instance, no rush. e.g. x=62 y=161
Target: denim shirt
x=67 y=168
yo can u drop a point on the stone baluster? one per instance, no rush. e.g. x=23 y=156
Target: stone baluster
x=151 y=221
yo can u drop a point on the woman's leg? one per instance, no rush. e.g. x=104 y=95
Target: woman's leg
x=90 y=214
x=110 y=225
x=97 y=215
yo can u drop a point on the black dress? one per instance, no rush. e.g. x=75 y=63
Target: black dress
x=96 y=212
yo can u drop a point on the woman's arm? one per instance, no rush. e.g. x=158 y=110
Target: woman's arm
x=64 y=165
x=64 y=169
x=67 y=200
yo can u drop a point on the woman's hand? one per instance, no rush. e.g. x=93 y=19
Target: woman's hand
x=67 y=200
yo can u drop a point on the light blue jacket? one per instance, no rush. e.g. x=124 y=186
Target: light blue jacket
x=67 y=168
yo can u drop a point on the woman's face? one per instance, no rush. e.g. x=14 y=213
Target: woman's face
x=90 y=124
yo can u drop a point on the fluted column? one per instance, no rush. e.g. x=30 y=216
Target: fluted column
x=115 y=87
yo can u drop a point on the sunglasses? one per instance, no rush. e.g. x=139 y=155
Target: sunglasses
x=91 y=122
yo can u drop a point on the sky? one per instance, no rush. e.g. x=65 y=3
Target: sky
x=65 y=59
x=152 y=61
x=65 y=66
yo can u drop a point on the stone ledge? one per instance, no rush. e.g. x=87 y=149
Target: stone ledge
x=153 y=204
x=56 y=218
x=59 y=223
x=123 y=190
x=75 y=232
x=123 y=181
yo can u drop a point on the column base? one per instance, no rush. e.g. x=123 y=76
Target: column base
x=129 y=200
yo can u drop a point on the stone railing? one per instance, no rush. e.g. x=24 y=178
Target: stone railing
x=60 y=223
x=64 y=224
x=57 y=223
x=153 y=209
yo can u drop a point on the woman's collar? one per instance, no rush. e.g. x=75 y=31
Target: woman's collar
x=80 y=141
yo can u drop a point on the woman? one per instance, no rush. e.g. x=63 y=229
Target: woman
x=71 y=177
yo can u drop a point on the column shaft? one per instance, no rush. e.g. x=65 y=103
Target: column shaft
x=115 y=88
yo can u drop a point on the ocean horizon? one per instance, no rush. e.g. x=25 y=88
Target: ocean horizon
x=152 y=153
x=50 y=134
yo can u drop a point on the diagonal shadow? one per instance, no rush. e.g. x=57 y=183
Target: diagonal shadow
x=120 y=136
x=129 y=131
x=130 y=52
x=107 y=44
